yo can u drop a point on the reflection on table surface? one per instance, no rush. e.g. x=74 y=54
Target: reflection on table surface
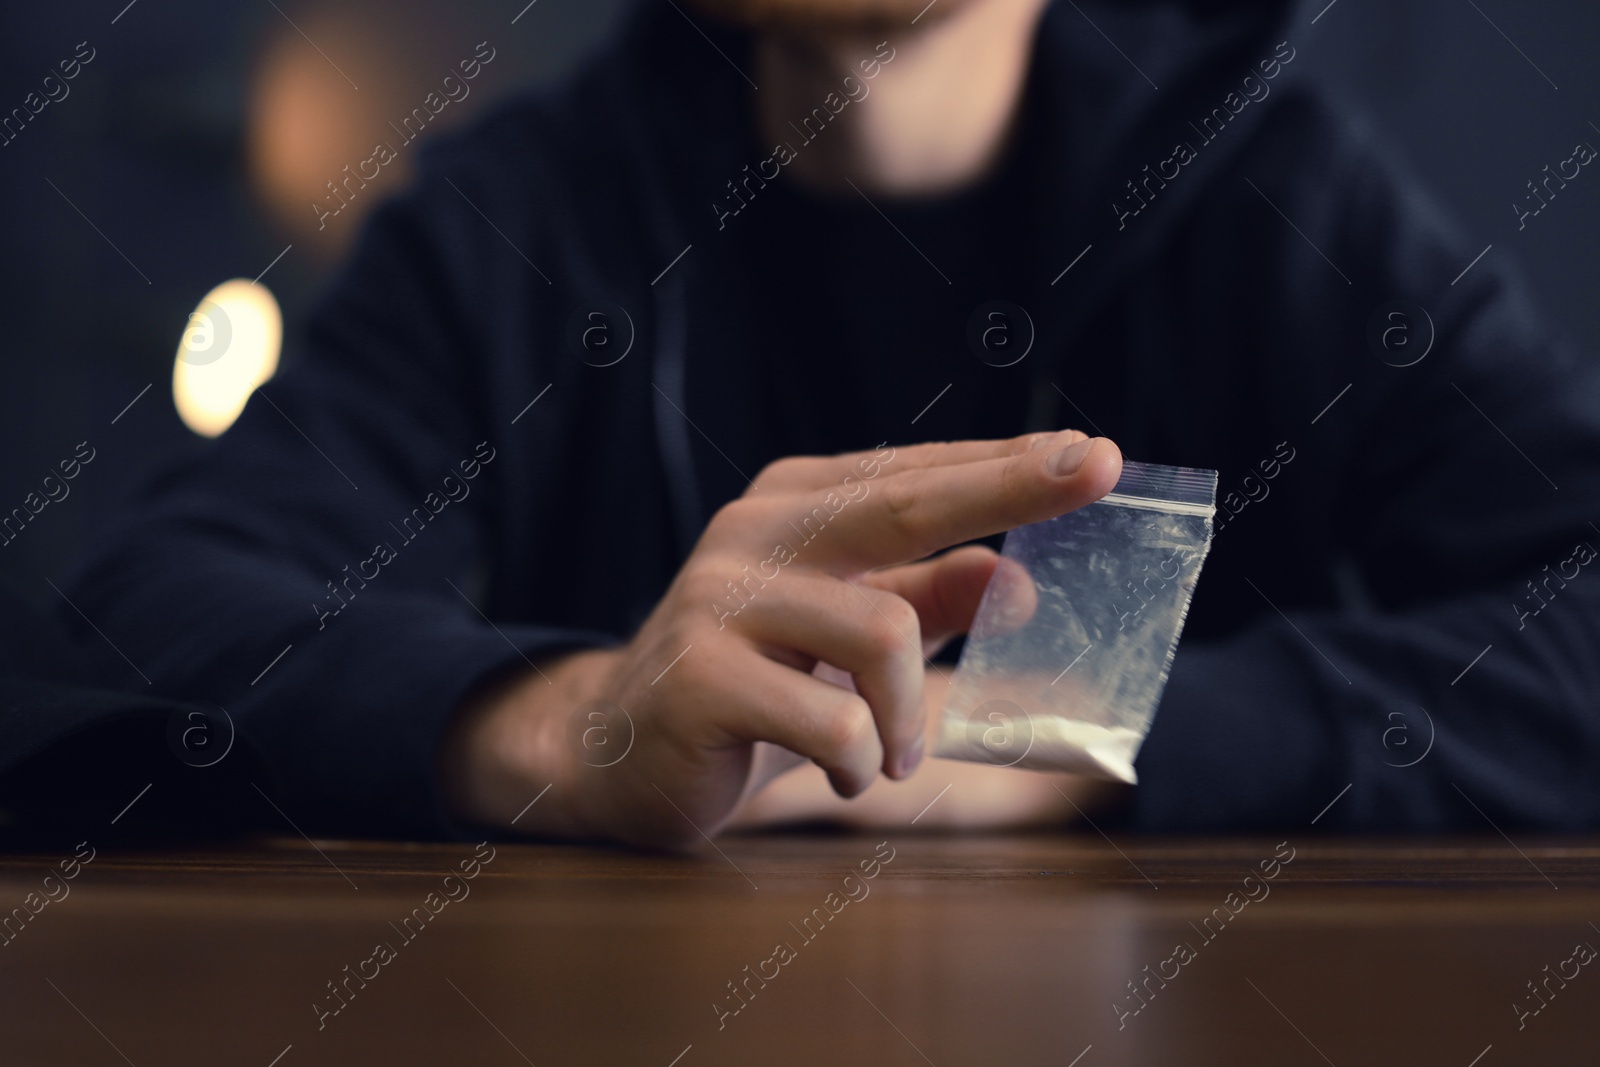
x=805 y=949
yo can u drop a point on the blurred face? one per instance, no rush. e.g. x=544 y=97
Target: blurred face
x=827 y=14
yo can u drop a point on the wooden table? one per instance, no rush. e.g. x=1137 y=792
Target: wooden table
x=982 y=950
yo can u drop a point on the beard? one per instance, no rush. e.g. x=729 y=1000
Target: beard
x=827 y=16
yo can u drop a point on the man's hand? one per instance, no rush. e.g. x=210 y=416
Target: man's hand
x=813 y=566
x=947 y=795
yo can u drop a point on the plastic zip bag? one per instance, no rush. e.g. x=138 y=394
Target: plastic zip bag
x=1075 y=634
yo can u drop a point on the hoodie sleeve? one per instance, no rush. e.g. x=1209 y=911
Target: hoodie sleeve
x=322 y=571
x=1460 y=687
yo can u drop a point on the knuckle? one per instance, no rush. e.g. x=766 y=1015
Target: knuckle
x=734 y=513
x=848 y=728
x=735 y=522
x=902 y=616
x=892 y=625
x=901 y=500
x=1017 y=489
x=703 y=582
x=780 y=472
x=882 y=639
x=1022 y=445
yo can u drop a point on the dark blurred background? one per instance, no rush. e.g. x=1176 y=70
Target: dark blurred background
x=188 y=150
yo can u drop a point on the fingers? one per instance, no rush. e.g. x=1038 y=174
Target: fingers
x=1009 y=601
x=803 y=473
x=916 y=513
x=945 y=591
x=755 y=699
x=872 y=634
x=948 y=590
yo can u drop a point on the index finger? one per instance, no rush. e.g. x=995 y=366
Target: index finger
x=801 y=473
x=915 y=513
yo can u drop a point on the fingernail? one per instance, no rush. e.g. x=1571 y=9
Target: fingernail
x=1041 y=439
x=913 y=757
x=1069 y=459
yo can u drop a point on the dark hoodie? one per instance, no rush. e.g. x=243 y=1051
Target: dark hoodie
x=1200 y=245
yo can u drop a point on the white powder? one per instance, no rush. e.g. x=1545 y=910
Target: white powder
x=1049 y=743
x=1084 y=748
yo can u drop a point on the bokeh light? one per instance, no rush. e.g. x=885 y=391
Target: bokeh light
x=229 y=346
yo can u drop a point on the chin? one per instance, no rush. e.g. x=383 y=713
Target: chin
x=826 y=15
